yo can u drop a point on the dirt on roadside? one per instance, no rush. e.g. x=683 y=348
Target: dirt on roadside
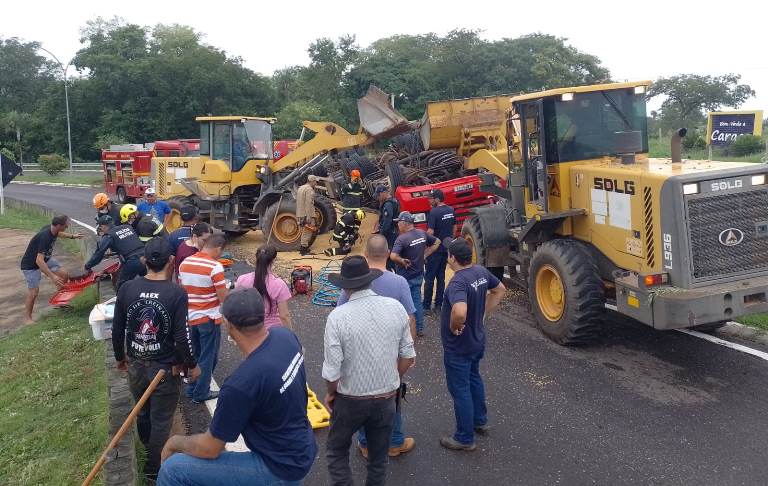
x=13 y=243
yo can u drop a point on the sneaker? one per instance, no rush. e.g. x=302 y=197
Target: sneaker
x=482 y=429
x=211 y=395
x=454 y=445
x=407 y=446
x=363 y=450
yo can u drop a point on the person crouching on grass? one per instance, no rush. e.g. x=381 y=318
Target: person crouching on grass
x=264 y=400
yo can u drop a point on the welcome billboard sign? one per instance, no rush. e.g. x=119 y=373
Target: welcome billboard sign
x=723 y=127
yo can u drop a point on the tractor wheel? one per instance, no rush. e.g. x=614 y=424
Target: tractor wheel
x=566 y=292
x=122 y=197
x=281 y=226
x=711 y=327
x=176 y=203
x=471 y=232
x=325 y=214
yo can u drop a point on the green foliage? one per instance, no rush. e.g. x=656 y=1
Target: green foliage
x=746 y=145
x=694 y=142
x=53 y=398
x=7 y=153
x=107 y=139
x=52 y=164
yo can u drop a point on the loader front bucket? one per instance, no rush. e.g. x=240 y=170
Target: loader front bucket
x=378 y=117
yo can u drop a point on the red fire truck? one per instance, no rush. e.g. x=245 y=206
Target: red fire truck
x=127 y=167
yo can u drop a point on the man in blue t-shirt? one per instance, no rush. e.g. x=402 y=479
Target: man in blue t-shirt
x=471 y=295
x=409 y=251
x=440 y=224
x=160 y=210
x=395 y=287
x=264 y=400
x=188 y=220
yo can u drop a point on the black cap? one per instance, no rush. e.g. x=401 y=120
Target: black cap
x=146 y=228
x=458 y=247
x=105 y=219
x=157 y=252
x=381 y=188
x=188 y=212
x=437 y=194
x=355 y=273
x=244 y=308
x=406 y=217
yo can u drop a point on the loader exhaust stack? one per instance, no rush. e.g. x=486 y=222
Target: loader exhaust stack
x=677 y=143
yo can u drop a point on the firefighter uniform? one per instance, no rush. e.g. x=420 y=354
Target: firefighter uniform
x=345 y=233
x=351 y=196
x=124 y=241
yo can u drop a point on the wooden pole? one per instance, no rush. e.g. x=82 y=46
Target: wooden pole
x=124 y=428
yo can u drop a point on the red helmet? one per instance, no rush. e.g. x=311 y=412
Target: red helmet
x=355 y=173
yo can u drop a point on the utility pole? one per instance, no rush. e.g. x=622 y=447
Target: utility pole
x=66 y=101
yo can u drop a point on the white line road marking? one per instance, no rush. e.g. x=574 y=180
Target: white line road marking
x=716 y=340
x=239 y=444
x=86 y=226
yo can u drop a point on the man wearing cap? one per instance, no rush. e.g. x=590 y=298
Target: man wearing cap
x=104 y=205
x=367 y=349
x=188 y=219
x=305 y=212
x=124 y=241
x=409 y=251
x=440 y=224
x=352 y=193
x=472 y=294
x=150 y=322
x=346 y=232
x=148 y=227
x=158 y=209
x=389 y=208
x=264 y=400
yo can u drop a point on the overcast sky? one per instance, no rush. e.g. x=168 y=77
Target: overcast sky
x=634 y=39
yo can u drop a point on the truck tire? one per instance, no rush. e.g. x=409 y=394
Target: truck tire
x=122 y=196
x=566 y=292
x=325 y=214
x=395 y=174
x=176 y=203
x=471 y=232
x=281 y=226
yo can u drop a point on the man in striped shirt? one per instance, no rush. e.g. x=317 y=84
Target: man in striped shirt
x=202 y=276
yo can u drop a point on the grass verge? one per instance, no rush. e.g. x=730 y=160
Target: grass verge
x=53 y=399
x=758 y=321
x=32 y=221
x=90 y=178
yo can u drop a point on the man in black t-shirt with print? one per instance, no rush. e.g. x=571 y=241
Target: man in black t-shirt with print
x=151 y=322
x=471 y=295
x=37 y=260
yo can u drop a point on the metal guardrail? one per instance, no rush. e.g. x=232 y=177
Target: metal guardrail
x=89 y=166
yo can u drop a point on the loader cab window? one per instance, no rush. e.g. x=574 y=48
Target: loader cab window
x=596 y=124
x=533 y=151
x=251 y=139
x=222 y=142
x=205 y=138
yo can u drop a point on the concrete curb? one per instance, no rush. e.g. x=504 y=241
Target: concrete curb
x=737 y=330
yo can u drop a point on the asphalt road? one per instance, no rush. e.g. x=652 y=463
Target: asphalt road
x=75 y=202
x=637 y=407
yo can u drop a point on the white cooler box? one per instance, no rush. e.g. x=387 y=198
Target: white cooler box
x=101 y=319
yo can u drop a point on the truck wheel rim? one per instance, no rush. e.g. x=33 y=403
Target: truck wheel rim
x=286 y=228
x=550 y=293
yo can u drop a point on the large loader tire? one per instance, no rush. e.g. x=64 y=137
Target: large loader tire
x=325 y=214
x=566 y=292
x=281 y=226
x=176 y=203
x=471 y=232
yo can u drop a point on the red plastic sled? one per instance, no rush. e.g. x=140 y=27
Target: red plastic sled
x=76 y=285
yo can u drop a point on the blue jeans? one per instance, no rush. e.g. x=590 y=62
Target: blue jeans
x=415 y=286
x=230 y=468
x=397 y=438
x=435 y=270
x=462 y=373
x=206 y=339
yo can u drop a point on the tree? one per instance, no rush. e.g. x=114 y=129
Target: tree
x=689 y=96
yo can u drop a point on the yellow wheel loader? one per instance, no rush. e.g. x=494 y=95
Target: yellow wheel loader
x=587 y=218
x=238 y=186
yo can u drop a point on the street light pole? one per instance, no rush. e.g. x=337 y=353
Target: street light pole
x=66 y=102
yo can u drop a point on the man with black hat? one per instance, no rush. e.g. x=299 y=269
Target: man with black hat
x=367 y=349
x=472 y=294
x=441 y=224
x=151 y=315
x=188 y=219
x=409 y=251
x=124 y=241
x=264 y=400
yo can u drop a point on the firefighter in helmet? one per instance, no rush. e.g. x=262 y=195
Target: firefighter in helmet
x=352 y=193
x=104 y=205
x=346 y=232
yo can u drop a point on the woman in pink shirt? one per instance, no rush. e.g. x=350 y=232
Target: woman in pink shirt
x=271 y=287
